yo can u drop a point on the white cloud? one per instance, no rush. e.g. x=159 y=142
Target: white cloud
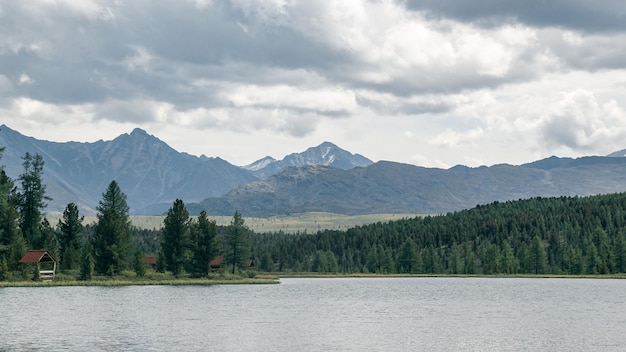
x=32 y=112
x=452 y=139
x=579 y=122
x=25 y=79
x=329 y=99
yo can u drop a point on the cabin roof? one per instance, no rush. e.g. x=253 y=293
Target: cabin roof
x=217 y=262
x=37 y=256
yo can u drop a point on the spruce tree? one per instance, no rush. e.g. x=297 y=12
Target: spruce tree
x=31 y=199
x=112 y=234
x=139 y=265
x=70 y=228
x=408 y=259
x=176 y=242
x=48 y=238
x=266 y=263
x=204 y=245
x=12 y=244
x=87 y=264
x=238 y=242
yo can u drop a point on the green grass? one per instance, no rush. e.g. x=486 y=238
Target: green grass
x=128 y=278
x=292 y=223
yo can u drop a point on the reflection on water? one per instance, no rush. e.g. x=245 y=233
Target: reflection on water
x=339 y=314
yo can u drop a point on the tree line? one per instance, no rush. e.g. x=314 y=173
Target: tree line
x=561 y=235
x=184 y=246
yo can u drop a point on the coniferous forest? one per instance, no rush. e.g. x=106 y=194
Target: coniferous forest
x=563 y=236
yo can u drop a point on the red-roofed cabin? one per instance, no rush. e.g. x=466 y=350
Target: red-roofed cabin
x=216 y=263
x=150 y=261
x=45 y=262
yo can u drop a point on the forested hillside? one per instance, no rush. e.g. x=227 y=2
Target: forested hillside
x=566 y=235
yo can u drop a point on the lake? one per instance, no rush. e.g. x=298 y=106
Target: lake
x=322 y=314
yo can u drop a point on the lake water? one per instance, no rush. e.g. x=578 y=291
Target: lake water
x=322 y=314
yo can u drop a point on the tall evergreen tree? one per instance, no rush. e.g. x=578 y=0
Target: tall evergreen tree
x=112 y=233
x=87 y=264
x=508 y=262
x=12 y=244
x=31 y=198
x=139 y=264
x=70 y=229
x=48 y=238
x=408 y=258
x=204 y=245
x=537 y=256
x=238 y=242
x=176 y=243
x=266 y=262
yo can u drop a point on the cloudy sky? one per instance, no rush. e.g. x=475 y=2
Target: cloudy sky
x=428 y=82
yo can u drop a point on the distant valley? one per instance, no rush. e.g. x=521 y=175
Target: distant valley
x=324 y=178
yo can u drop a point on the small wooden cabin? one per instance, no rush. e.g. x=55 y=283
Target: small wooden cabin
x=216 y=263
x=45 y=262
x=150 y=261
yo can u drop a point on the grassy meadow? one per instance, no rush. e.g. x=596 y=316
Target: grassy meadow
x=292 y=223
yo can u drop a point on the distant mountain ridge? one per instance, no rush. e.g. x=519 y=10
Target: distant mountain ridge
x=150 y=173
x=323 y=178
x=389 y=187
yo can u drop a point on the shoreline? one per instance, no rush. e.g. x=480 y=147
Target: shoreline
x=271 y=278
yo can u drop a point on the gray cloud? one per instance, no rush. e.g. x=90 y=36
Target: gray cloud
x=580 y=15
x=580 y=123
x=293 y=68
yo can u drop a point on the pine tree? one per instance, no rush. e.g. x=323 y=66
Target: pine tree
x=176 y=243
x=508 y=262
x=70 y=228
x=12 y=244
x=537 y=256
x=87 y=264
x=204 y=245
x=238 y=242
x=5 y=274
x=373 y=263
x=408 y=259
x=31 y=198
x=139 y=265
x=48 y=238
x=266 y=264
x=112 y=233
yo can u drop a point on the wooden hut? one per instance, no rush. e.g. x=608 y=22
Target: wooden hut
x=45 y=262
x=216 y=263
x=150 y=261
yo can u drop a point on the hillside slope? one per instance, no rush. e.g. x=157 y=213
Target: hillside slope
x=388 y=187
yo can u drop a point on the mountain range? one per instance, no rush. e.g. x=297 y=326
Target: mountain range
x=325 y=178
x=149 y=172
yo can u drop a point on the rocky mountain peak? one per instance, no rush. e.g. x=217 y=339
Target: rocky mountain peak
x=325 y=154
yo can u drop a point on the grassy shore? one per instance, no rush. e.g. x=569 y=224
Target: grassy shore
x=261 y=278
x=511 y=276
x=152 y=278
